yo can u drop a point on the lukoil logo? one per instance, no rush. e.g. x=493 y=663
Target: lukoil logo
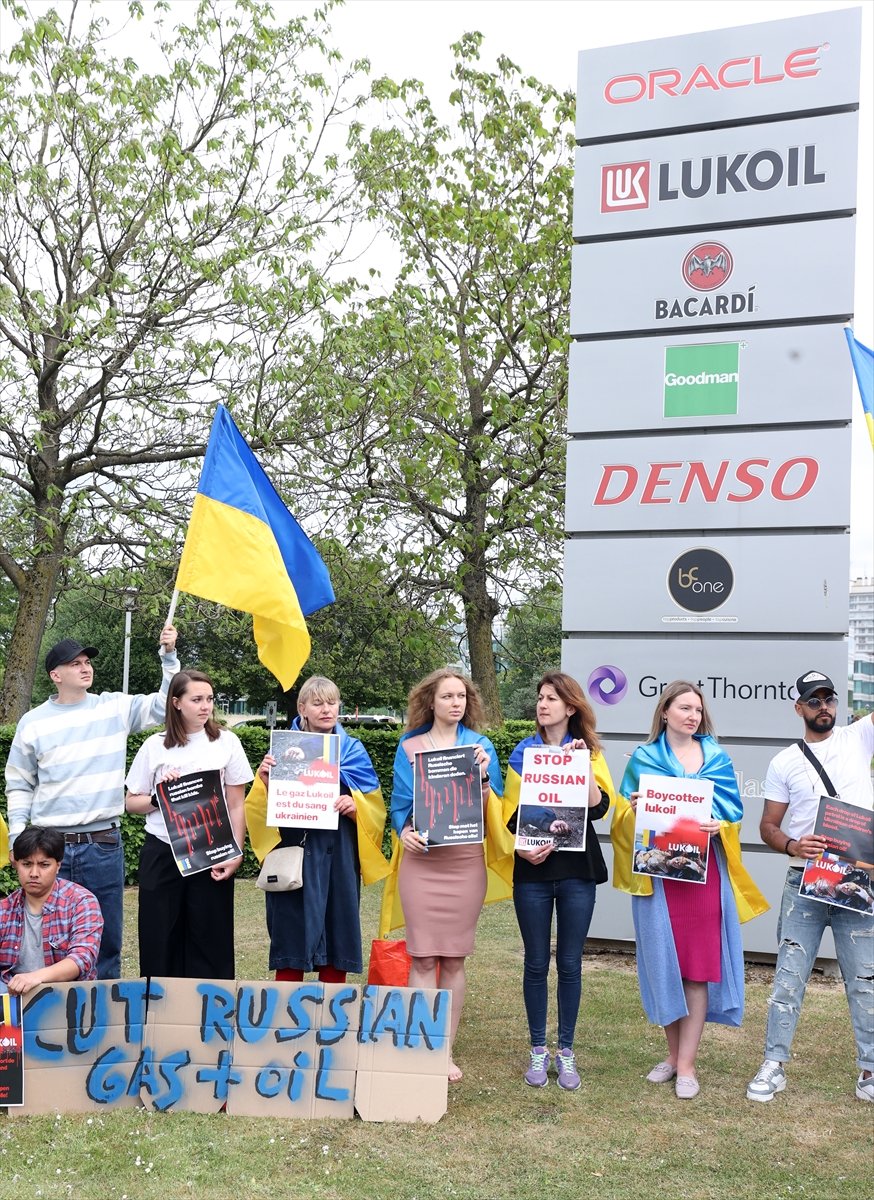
x=624 y=186
x=702 y=380
x=607 y=685
x=700 y=580
x=627 y=185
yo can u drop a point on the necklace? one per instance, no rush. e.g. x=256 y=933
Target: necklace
x=434 y=745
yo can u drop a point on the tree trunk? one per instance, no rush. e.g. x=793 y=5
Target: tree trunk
x=480 y=611
x=34 y=599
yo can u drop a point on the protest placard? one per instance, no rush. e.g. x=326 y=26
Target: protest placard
x=11 y=1053
x=448 y=796
x=304 y=784
x=196 y=818
x=668 y=840
x=843 y=875
x=553 y=798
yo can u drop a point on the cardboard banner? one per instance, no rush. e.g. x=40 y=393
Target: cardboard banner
x=304 y=785
x=254 y=1048
x=197 y=821
x=553 y=798
x=448 y=797
x=668 y=841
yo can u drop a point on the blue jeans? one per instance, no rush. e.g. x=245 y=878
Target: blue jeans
x=799 y=933
x=574 y=902
x=99 y=867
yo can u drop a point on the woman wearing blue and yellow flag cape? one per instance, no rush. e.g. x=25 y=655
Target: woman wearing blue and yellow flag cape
x=317 y=927
x=442 y=891
x=546 y=881
x=689 y=952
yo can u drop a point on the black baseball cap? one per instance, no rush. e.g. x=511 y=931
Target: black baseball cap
x=66 y=651
x=812 y=681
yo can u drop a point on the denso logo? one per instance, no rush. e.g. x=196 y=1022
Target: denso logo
x=627 y=185
x=679 y=482
x=733 y=73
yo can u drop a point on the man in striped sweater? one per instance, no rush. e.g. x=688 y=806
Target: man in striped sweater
x=66 y=770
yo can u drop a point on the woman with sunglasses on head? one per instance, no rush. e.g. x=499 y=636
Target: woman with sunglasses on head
x=186 y=922
x=548 y=881
x=689 y=953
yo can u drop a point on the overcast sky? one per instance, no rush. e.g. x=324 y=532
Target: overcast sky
x=411 y=38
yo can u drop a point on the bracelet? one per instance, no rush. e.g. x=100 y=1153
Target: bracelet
x=789 y=842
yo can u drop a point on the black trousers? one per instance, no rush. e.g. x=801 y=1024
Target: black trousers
x=185 y=922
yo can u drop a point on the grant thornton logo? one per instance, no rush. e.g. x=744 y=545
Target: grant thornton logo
x=607 y=685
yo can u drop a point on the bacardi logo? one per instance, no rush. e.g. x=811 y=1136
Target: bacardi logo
x=624 y=186
x=707 y=266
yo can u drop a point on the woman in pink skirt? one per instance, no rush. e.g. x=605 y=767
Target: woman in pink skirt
x=689 y=950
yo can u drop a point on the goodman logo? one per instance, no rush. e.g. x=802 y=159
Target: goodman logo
x=748 y=71
x=701 y=380
x=700 y=580
x=626 y=186
x=607 y=685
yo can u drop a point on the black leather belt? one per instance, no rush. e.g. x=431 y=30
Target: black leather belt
x=84 y=839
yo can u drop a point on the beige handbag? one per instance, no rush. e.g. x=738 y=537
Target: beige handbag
x=282 y=870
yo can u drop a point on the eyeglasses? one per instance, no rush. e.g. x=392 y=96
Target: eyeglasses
x=816 y=702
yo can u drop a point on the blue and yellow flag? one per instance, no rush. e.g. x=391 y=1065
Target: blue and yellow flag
x=863 y=365
x=245 y=550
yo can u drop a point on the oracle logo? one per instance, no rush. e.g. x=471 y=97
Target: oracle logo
x=747 y=71
x=679 y=482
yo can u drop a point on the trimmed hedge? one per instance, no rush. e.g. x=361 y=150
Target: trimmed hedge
x=381 y=744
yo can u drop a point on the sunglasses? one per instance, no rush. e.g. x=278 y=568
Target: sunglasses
x=816 y=702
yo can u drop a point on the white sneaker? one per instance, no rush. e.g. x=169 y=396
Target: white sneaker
x=770 y=1079
x=865 y=1088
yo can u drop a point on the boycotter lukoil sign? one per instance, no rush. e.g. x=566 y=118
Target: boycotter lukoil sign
x=802 y=64
x=753 y=173
x=784 y=377
x=731 y=277
x=718 y=583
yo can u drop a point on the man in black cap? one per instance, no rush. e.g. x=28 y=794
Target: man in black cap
x=66 y=770
x=830 y=760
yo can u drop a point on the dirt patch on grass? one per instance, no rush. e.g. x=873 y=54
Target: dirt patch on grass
x=605 y=957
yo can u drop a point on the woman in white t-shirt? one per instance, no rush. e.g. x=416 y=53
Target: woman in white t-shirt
x=186 y=923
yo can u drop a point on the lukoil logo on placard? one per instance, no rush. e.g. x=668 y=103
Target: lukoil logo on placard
x=702 y=380
x=700 y=580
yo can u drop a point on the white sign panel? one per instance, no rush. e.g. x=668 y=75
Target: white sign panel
x=754 y=480
x=708 y=583
x=793 y=272
x=745 y=173
x=749 y=683
x=800 y=64
x=784 y=376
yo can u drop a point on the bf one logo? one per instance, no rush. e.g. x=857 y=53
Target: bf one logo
x=607 y=685
x=700 y=580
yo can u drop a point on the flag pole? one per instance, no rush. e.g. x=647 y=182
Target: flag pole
x=171 y=612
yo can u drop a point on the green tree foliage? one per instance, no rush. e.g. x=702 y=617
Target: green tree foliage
x=161 y=247
x=449 y=443
x=531 y=647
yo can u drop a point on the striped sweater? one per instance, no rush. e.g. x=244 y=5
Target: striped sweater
x=66 y=764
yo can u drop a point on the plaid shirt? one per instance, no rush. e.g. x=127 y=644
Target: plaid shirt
x=71 y=927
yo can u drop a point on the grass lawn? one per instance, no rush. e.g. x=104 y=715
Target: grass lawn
x=618 y=1138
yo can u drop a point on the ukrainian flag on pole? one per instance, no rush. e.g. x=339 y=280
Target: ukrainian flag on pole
x=245 y=550
x=863 y=365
